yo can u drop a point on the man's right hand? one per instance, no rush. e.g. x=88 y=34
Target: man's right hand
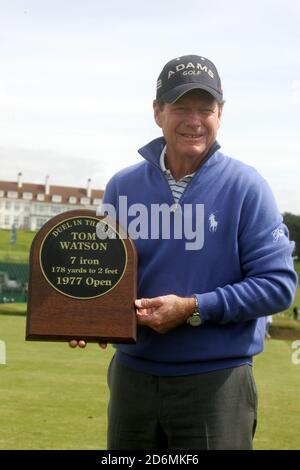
x=82 y=344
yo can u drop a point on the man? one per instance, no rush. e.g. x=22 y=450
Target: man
x=187 y=383
x=269 y=321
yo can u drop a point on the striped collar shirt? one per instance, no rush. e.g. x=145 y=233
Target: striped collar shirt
x=177 y=187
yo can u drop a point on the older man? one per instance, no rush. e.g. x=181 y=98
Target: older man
x=187 y=383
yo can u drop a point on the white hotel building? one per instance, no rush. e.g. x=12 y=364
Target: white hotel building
x=29 y=206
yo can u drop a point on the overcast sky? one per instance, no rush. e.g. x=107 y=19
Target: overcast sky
x=77 y=80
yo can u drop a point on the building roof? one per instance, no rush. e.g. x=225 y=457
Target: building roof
x=64 y=191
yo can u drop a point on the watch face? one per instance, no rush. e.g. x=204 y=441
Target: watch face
x=195 y=320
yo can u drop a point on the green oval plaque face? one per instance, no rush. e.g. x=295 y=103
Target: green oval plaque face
x=79 y=264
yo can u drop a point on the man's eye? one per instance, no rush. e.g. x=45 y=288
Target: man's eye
x=207 y=111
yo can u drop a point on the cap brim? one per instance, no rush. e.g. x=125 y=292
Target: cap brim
x=177 y=92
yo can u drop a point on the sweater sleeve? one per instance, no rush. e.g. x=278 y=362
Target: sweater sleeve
x=269 y=279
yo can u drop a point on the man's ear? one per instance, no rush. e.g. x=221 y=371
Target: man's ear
x=220 y=112
x=157 y=113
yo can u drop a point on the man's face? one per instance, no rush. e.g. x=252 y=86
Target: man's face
x=190 y=124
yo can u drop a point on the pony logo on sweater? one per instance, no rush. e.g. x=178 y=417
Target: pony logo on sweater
x=277 y=233
x=213 y=223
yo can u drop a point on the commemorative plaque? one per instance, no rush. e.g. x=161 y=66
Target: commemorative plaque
x=82 y=282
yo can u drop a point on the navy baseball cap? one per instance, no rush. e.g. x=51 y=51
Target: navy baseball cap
x=189 y=72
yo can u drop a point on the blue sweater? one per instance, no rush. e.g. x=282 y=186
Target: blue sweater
x=243 y=271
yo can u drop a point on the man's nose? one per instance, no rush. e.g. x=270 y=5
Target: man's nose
x=193 y=118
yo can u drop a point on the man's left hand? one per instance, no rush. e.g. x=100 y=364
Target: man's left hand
x=164 y=313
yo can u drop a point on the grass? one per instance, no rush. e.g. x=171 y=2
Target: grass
x=297 y=267
x=287 y=323
x=278 y=383
x=18 y=252
x=53 y=397
x=13 y=309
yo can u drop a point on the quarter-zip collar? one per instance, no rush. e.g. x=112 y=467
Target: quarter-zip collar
x=152 y=152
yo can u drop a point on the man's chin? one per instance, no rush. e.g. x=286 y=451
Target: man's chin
x=197 y=152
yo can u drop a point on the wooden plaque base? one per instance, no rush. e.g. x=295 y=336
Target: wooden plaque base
x=65 y=290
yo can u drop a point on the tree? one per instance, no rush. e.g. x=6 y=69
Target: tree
x=293 y=223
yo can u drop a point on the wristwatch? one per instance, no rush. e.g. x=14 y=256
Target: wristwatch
x=195 y=319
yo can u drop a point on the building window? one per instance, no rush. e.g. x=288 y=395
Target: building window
x=40 y=197
x=7 y=205
x=27 y=195
x=7 y=220
x=12 y=194
x=27 y=208
x=72 y=200
x=97 y=201
x=40 y=207
x=40 y=222
x=26 y=222
x=17 y=206
x=56 y=209
x=84 y=200
x=56 y=198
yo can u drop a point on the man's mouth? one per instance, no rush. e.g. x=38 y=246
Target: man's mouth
x=192 y=136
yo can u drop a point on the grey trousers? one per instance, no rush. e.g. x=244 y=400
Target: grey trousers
x=215 y=410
